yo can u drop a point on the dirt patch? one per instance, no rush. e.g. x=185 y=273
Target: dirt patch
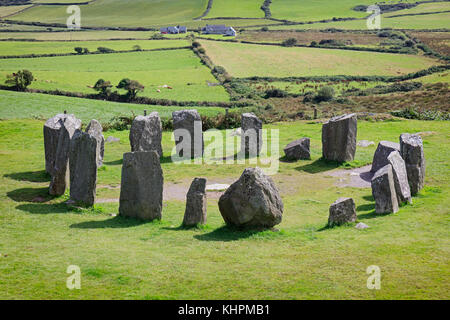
x=355 y=178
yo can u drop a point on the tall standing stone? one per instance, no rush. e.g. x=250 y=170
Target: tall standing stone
x=339 y=138
x=83 y=168
x=95 y=129
x=141 y=193
x=146 y=134
x=380 y=157
x=188 y=134
x=411 y=150
x=251 y=137
x=252 y=201
x=342 y=211
x=400 y=177
x=383 y=191
x=195 y=213
x=52 y=130
x=60 y=174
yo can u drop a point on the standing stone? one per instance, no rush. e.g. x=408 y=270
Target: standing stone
x=411 y=150
x=146 y=134
x=83 y=168
x=188 y=134
x=298 y=149
x=51 y=136
x=251 y=136
x=400 y=177
x=95 y=129
x=339 y=138
x=195 y=213
x=60 y=174
x=253 y=201
x=141 y=193
x=383 y=191
x=342 y=211
x=380 y=157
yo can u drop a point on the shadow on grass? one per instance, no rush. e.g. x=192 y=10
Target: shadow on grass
x=30 y=176
x=117 y=162
x=366 y=207
x=38 y=195
x=116 y=222
x=227 y=233
x=319 y=165
x=41 y=208
x=371 y=215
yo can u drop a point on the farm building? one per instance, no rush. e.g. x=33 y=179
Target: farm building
x=219 y=29
x=173 y=30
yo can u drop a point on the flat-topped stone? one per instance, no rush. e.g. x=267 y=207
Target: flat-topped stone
x=411 y=150
x=339 y=138
x=187 y=126
x=95 y=129
x=298 y=150
x=251 y=135
x=146 y=133
x=380 y=157
x=383 y=191
x=342 y=211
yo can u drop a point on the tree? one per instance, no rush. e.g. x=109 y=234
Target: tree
x=132 y=86
x=289 y=42
x=103 y=87
x=20 y=80
x=78 y=50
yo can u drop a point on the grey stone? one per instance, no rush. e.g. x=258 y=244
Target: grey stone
x=111 y=139
x=146 y=134
x=252 y=201
x=83 y=168
x=361 y=226
x=187 y=125
x=411 y=150
x=380 y=157
x=383 y=191
x=251 y=135
x=400 y=177
x=298 y=150
x=60 y=174
x=51 y=136
x=141 y=193
x=95 y=129
x=342 y=211
x=339 y=138
x=195 y=213
x=365 y=143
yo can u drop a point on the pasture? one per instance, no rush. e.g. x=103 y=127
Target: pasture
x=179 y=69
x=246 y=60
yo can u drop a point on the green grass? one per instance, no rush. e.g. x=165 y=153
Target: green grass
x=180 y=69
x=236 y=8
x=246 y=60
x=36 y=105
x=26 y=47
x=127 y=259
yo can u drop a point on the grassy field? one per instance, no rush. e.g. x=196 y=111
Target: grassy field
x=127 y=259
x=246 y=60
x=236 y=8
x=9 y=10
x=180 y=69
x=43 y=106
x=26 y=47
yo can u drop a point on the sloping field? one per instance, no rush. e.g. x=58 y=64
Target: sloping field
x=119 y=13
x=8 y=10
x=180 y=69
x=246 y=60
x=26 y=47
x=236 y=8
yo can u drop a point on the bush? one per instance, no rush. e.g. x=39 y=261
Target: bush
x=157 y=36
x=313 y=44
x=132 y=87
x=325 y=94
x=104 y=50
x=289 y=42
x=20 y=80
x=219 y=70
x=85 y=50
x=137 y=48
x=276 y=93
x=78 y=50
x=412 y=113
x=202 y=50
x=103 y=87
x=196 y=44
x=265 y=29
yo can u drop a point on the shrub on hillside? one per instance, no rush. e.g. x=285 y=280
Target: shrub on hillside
x=276 y=93
x=324 y=94
x=20 y=80
x=105 y=50
x=78 y=50
x=289 y=42
x=132 y=87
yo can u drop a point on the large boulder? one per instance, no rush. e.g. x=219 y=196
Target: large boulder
x=141 y=193
x=83 y=168
x=400 y=177
x=52 y=130
x=187 y=126
x=60 y=173
x=146 y=134
x=95 y=129
x=251 y=135
x=380 y=157
x=383 y=191
x=298 y=150
x=411 y=150
x=252 y=201
x=339 y=138
x=195 y=213
x=342 y=211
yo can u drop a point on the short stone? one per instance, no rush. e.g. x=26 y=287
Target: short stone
x=342 y=211
x=365 y=143
x=361 y=226
x=112 y=139
x=195 y=212
x=298 y=150
x=146 y=133
x=380 y=157
x=251 y=135
x=339 y=138
x=383 y=191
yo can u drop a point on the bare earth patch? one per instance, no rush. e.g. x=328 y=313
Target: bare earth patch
x=355 y=178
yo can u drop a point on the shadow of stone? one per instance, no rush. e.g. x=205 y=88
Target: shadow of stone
x=369 y=198
x=30 y=195
x=366 y=207
x=116 y=222
x=227 y=233
x=165 y=159
x=371 y=215
x=366 y=176
x=117 y=162
x=30 y=176
x=40 y=208
x=318 y=166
